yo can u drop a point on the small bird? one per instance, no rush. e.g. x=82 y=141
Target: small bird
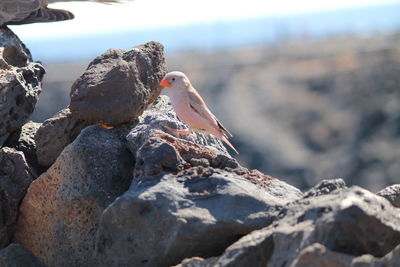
x=190 y=107
x=16 y=12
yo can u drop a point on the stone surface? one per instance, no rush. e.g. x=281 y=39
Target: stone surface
x=15 y=177
x=15 y=255
x=319 y=255
x=24 y=140
x=186 y=199
x=118 y=85
x=391 y=193
x=20 y=82
x=55 y=134
x=60 y=212
x=325 y=187
x=350 y=221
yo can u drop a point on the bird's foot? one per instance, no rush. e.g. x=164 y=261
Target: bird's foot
x=177 y=132
x=104 y=126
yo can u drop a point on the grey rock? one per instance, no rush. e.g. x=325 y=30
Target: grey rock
x=391 y=193
x=24 y=140
x=351 y=221
x=55 y=134
x=118 y=85
x=319 y=255
x=325 y=187
x=15 y=255
x=60 y=213
x=188 y=198
x=197 y=212
x=20 y=82
x=15 y=177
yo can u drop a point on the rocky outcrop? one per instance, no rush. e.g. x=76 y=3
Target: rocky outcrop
x=24 y=140
x=136 y=195
x=16 y=255
x=329 y=229
x=20 y=82
x=118 y=85
x=15 y=177
x=55 y=134
x=183 y=196
x=60 y=213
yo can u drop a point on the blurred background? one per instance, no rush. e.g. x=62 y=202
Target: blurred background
x=310 y=89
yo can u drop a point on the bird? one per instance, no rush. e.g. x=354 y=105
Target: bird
x=17 y=12
x=190 y=108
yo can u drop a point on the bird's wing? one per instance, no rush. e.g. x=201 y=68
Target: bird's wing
x=17 y=10
x=197 y=103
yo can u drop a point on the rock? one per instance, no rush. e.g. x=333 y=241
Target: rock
x=20 y=82
x=350 y=221
x=55 y=134
x=186 y=199
x=197 y=212
x=15 y=177
x=391 y=193
x=60 y=213
x=15 y=255
x=24 y=140
x=118 y=85
x=325 y=187
x=319 y=255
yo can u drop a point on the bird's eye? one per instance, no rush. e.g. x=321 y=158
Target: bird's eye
x=173 y=79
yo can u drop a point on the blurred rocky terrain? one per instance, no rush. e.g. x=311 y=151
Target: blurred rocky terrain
x=73 y=193
x=303 y=110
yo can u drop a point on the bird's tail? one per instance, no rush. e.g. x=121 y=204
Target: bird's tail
x=225 y=140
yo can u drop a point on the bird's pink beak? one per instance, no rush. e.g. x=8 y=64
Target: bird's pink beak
x=165 y=83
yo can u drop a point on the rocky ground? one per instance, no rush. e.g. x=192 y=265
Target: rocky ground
x=77 y=194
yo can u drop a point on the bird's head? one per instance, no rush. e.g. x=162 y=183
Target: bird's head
x=175 y=80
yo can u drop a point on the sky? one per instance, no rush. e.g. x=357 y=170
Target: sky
x=95 y=18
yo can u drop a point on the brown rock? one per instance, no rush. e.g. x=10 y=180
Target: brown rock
x=60 y=212
x=118 y=85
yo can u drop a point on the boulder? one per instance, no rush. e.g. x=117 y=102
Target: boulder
x=55 y=134
x=186 y=199
x=15 y=177
x=391 y=193
x=60 y=213
x=348 y=222
x=118 y=85
x=24 y=140
x=20 y=82
x=15 y=255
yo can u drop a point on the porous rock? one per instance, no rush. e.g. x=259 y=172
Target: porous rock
x=352 y=221
x=20 y=82
x=55 y=134
x=391 y=193
x=15 y=255
x=24 y=140
x=15 y=177
x=60 y=213
x=186 y=199
x=118 y=85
